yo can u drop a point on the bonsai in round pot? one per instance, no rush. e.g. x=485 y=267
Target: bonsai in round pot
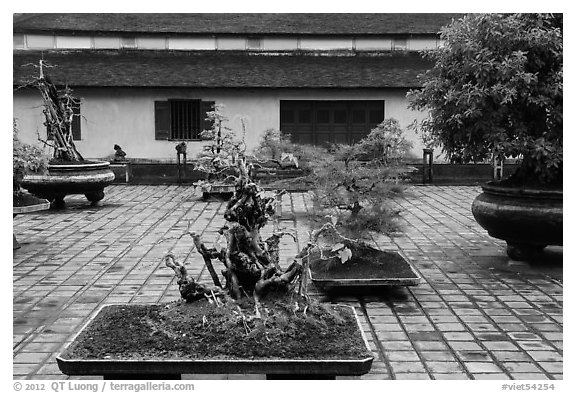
x=68 y=172
x=496 y=91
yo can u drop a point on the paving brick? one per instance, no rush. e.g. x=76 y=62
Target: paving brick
x=474 y=356
x=454 y=376
x=552 y=367
x=430 y=345
x=521 y=367
x=482 y=367
x=412 y=376
x=500 y=346
x=492 y=376
x=397 y=356
x=444 y=367
x=30 y=357
x=545 y=356
x=530 y=376
x=503 y=356
x=464 y=346
x=458 y=336
x=437 y=355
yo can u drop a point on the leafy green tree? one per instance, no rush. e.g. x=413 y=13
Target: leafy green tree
x=496 y=90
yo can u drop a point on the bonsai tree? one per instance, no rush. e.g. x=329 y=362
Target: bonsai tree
x=355 y=183
x=496 y=91
x=58 y=112
x=251 y=263
x=25 y=158
x=221 y=152
x=277 y=148
x=385 y=145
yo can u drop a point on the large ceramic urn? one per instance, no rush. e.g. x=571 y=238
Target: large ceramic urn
x=527 y=219
x=85 y=177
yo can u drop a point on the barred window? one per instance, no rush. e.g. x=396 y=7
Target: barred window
x=181 y=119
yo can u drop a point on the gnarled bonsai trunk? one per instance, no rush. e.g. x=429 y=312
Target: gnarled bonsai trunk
x=251 y=264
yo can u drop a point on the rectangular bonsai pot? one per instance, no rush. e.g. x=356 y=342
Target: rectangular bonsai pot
x=404 y=274
x=173 y=368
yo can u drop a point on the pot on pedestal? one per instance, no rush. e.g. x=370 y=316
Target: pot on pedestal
x=528 y=219
x=66 y=178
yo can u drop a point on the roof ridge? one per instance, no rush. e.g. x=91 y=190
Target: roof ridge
x=238 y=23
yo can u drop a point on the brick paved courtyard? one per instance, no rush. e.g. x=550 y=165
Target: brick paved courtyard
x=475 y=315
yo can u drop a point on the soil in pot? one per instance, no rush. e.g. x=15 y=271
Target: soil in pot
x=201 y=330
x=366 y=263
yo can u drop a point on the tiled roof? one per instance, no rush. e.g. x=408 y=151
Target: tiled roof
x=256 y=24
x=222 y=69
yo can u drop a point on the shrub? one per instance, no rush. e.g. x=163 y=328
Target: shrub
x=385 y=144
x=25 y=158
x=353 y=183
x=496 y=90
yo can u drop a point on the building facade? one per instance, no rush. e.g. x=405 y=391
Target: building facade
x=145 y=81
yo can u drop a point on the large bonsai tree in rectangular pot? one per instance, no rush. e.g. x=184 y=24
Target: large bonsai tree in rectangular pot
x=496 y=91
x=256 y=317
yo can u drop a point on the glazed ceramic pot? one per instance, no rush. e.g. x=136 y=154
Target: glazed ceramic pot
x=88 y=178
x=527 y=219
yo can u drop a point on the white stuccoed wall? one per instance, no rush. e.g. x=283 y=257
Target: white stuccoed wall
x=126 y=116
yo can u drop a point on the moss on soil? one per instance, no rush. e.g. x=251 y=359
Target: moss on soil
x=201 y=330
x=366 y=263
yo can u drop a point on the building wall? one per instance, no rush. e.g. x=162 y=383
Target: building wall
x=265 y=43
x=126 y=116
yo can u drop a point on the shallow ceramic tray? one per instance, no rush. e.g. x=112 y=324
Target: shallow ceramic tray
x=42 y=204
x=123 y=369
x=383 y=281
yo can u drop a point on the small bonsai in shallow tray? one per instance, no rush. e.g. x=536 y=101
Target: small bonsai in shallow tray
x=368 y=267
x=353 y=263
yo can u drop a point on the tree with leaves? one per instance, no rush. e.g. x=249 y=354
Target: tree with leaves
x=496 y=90
x=356 y=184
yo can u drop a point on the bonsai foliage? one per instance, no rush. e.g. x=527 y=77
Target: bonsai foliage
x=25 y=158
x=384 y=145
x=496 y=91
x=223 y=147
x=356 y=184
x=58 y=112
x=277 y=147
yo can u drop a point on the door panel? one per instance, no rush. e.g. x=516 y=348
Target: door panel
x=324 y=122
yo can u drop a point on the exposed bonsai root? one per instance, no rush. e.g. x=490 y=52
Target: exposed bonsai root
x=273 y=278
x=251 y=264
x=189 y=289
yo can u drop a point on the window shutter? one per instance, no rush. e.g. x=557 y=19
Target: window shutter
x=206 y=106
x=76 y=123
x=162 y=119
